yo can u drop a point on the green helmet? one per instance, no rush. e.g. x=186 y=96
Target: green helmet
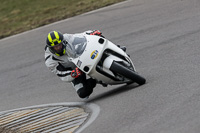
x=54 y=39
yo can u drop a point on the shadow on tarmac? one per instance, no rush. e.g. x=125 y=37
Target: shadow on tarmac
x=113 y=92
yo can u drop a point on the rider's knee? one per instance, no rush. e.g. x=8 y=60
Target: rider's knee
x=83 y=93
x=87 y=88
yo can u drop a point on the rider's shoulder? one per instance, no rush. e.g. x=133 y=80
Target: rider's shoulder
x=47 y=51
x=68 y=36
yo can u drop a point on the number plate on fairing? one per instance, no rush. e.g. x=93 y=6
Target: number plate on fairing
x=79 y=63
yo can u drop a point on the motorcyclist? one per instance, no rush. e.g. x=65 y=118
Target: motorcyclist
x=57 y=62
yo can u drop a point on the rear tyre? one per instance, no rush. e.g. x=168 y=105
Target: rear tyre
x=130 y=74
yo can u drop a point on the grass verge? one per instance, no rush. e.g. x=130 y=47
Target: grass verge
x=17 y=16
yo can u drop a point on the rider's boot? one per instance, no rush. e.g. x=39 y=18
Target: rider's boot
x=122 y=47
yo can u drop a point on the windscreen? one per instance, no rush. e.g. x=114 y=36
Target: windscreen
x=76 y=46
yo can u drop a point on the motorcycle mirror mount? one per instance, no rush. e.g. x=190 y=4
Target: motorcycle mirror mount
x=101 y=40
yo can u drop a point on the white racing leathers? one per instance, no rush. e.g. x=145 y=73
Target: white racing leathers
x=60 y=65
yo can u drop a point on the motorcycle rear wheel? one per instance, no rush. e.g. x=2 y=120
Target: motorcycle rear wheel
x=130 y=74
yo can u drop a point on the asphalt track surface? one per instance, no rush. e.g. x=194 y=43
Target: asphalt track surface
x=163 y=39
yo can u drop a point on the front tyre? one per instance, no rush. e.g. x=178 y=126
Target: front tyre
x=130 y=74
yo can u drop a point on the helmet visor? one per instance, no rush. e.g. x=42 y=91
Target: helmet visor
x=57 y=48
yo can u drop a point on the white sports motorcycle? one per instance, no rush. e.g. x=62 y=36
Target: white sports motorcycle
x=102 y=60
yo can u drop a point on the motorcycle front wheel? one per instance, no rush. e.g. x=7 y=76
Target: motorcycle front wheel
x=127 y=73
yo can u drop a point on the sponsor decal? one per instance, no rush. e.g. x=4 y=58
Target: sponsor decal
x=94 y=54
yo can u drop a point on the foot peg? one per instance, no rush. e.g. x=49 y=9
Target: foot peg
x=103 y=84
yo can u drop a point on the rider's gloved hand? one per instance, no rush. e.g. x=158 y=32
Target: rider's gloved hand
x=76 y=73
x=96 y=32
